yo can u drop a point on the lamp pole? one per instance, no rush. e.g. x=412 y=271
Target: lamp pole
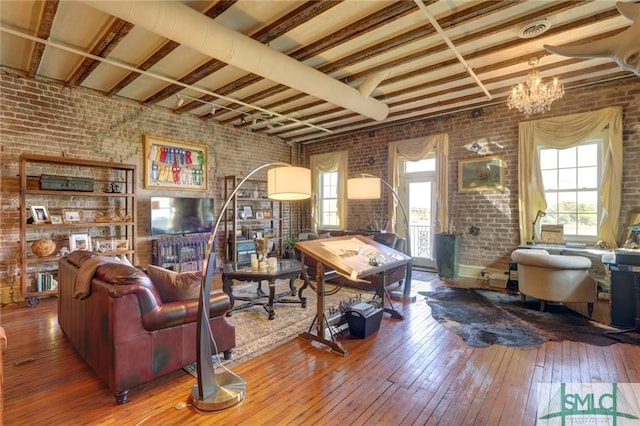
x=407 y=285
x=215 y=391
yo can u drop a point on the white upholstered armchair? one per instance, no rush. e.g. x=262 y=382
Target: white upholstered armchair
x=554 y=277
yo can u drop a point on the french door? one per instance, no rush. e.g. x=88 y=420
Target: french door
x=418 y=196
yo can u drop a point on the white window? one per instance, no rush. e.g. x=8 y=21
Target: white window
x=571 y=179
x=328 y=200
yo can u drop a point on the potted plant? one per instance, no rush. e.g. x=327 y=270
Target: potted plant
x=289 y=247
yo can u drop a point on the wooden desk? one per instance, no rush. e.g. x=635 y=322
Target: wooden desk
x=352 y=256
x=286 y=269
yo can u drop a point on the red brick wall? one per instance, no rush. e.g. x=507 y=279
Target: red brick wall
x=496 y=214
x=49 y=119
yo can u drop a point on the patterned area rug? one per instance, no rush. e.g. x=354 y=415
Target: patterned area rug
x=485 y=317
x=256 y=334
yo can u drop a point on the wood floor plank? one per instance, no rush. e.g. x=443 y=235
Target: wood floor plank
x=410 y=372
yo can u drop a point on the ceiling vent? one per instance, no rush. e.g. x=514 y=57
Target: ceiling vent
x=534 y=29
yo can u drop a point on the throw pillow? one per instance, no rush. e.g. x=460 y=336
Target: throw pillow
x=174 y=286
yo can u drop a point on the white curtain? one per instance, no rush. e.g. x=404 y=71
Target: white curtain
x=564 y=132
x=330 y=162
x=417 y=149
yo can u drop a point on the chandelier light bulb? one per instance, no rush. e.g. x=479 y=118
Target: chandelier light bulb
x=534 y=96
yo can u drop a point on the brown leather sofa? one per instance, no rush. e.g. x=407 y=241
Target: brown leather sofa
x=123 y=329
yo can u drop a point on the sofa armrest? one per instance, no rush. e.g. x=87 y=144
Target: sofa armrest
x=157 y=316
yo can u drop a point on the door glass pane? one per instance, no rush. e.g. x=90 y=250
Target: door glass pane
x=420 y=219
x=426 y=165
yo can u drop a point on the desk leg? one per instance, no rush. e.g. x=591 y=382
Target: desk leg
x=227 y=287
x=320 y=318
x=272 y=295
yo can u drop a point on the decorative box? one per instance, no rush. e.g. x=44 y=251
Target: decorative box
x=66 y=183
x=363 y=320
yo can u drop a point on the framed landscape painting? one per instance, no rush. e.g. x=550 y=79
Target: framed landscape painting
x=481 y=174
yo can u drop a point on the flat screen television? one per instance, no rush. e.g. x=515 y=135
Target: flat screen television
x=178 y=215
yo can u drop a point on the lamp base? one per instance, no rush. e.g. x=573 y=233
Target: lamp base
x=231 y=391
x=399 y=295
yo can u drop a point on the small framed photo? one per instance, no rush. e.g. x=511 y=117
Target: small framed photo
x=72 y=216
x=103 y=245
x=248 y=212
x=39 y=214
x=79 y=242
x=56 y=218
x=267 y=214
x=120 y=244
x=259 y=215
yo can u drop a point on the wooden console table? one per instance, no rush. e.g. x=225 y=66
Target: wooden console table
x=286 y=269
x=352 y=256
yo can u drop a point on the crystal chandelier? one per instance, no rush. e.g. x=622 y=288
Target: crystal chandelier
x=533 y=96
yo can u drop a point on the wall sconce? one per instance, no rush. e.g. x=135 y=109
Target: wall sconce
x=475 y=147
x=179 y=101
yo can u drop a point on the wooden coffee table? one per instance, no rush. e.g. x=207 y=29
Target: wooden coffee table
x=286 y=269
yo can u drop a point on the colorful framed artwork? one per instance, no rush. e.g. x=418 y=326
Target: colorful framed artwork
x=39 y=214
x=481 y=174
x=171 y=164
x=79 y=242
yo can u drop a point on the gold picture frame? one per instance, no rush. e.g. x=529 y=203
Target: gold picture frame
x=481 y=174
x=72 y=216
x=172 y=164
x=120 y=244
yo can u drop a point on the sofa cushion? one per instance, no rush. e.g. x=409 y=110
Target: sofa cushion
x=174 y=286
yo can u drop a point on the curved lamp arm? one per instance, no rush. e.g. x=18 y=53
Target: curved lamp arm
x=407 y=284
x=404 y=211
x=205 y=394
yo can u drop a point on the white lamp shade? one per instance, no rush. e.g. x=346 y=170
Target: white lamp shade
x=365 y=188
x=289 y=183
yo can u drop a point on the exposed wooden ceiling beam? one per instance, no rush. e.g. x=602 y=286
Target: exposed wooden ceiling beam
x=44 y=30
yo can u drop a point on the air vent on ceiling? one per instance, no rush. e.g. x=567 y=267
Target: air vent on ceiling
x=534 y=29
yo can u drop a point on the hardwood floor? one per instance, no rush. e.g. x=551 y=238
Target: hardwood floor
x=410 y=372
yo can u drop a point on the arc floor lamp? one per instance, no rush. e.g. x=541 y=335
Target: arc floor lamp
x=217 y=391
x=367 y=187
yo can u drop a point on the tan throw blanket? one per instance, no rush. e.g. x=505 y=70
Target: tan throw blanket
x=86 y=271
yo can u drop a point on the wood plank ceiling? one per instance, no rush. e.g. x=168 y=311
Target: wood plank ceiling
x=78 y=45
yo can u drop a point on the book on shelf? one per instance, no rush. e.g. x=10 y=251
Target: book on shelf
x=45 y=282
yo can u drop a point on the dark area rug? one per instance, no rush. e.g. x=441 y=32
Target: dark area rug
x=485 y=317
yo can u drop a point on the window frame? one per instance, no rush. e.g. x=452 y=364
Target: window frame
x=321 y=199
x=599 y=141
